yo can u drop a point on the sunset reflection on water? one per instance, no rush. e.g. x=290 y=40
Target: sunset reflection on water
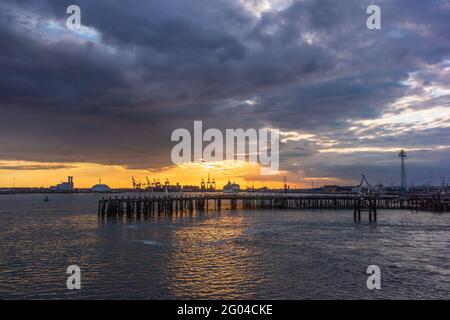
x=212 y=260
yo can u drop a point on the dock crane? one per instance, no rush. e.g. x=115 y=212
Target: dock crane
x=360 y=187
x=203 y=185
x=136 y=184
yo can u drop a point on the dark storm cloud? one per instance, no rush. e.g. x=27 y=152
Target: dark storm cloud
x=114 y=93
x=35 y=167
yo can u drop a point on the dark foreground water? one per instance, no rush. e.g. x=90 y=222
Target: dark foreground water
x=228 y=255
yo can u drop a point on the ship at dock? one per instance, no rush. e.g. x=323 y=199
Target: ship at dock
x=231 y=187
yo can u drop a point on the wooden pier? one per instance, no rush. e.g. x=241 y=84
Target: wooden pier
x=181 y=204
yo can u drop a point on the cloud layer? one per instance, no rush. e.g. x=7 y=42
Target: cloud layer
x=346 y=97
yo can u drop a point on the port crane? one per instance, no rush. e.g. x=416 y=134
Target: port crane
x=136 y=184
x=208 y=185
x=360 y=188
x=202 y=185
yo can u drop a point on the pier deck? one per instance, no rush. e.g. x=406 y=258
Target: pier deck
x=179 y=204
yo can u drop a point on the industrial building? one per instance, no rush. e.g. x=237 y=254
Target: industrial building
x=101 y=188
x=64 y=186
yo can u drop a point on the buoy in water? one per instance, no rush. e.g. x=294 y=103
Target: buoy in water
x=46 y=199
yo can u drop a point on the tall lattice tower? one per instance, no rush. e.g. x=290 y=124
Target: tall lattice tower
x=402 y=156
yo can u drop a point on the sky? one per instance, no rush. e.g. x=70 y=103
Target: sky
x=101 y=102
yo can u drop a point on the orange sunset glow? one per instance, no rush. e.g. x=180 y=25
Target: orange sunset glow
x=37 y=174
